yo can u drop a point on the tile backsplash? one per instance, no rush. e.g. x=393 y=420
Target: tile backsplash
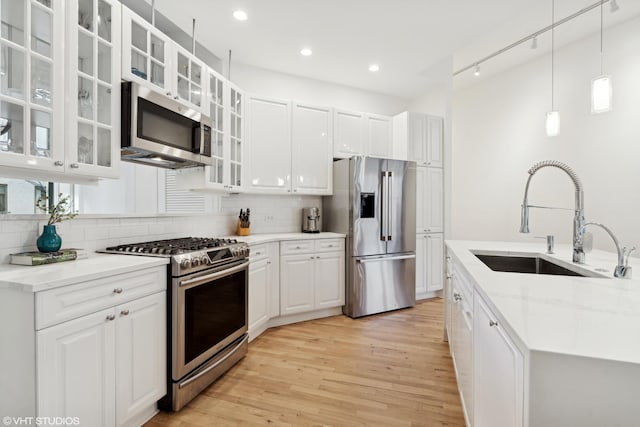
x=269 y=214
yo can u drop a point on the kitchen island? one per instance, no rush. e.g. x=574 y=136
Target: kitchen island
x=543 y=350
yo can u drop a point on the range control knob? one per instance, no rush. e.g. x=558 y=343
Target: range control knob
x=185 y=263
x=246 y=251
x=195 y=262
x=205 y=260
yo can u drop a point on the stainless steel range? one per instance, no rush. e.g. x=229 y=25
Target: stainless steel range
x=207 y=304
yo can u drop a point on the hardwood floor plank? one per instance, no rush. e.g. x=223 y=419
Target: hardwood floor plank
x=391 y=369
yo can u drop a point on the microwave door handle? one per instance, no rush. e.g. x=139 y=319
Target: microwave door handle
x=197 y=137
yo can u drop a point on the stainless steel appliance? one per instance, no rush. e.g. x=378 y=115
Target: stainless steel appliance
x=207 y=310
x=311 y=220
x=160 y=131
x=374 y=204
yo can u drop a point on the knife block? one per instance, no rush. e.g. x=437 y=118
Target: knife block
x=242 y=231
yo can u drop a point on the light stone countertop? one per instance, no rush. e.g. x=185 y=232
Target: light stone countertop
x=581 y=316
x=49 y=276
x=276 y=237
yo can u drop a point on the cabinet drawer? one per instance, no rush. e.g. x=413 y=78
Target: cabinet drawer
x=296 y=247
x=70 y=302
x=258 y=252
x=329 y=245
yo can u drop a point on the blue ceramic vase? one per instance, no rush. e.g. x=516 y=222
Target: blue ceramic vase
x=49 y=241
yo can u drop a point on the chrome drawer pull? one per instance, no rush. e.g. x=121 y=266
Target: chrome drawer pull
x=117 y=291
x=111 y=317
x=492 y=323
x=124 y=312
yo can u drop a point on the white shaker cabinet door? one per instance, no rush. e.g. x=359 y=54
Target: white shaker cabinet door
x=296 y=283
x=379 y=136
x=434 y=141
x=75 y=365
x=421 y=265
x=498 y=372
x=269 y=144
x=348 y=134
x=329 y=280
x=258 y=294
x=140 y=355
x=433 y=200
x=312 y=149
x=434 y=260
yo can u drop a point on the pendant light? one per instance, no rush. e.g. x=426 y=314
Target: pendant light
x=601 y=88
x=552 y=124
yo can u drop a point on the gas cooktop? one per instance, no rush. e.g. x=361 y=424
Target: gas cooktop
x=172 y=246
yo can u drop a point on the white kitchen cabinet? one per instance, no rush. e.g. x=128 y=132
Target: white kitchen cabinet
x=264 y=286
x=269 y=144
x=227 y=142
x=357 y=134
x=429 y=263
x=348 y=133
x=312 y=149
x=311 y=275
x=189 y=79
x=419 y=137
x=429 y=200
x=106 y=365
x=146 y=54
x=379 y=135
x=141 y=363
x=498 y=372
x=31 y=85
x=76 y=365
x=93 y=73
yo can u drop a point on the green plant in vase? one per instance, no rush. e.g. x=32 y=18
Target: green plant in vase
x=49 y=240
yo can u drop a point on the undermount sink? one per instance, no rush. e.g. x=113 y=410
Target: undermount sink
x=529 y=264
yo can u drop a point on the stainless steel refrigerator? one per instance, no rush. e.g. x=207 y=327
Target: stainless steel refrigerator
x=374 y=204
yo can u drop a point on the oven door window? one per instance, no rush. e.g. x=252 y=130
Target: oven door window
x=158 y=124
x=212 y=312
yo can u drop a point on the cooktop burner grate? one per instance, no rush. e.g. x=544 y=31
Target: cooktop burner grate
x=173 y=246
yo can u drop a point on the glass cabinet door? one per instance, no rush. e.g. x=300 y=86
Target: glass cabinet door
x=236 y=137
x=94 y=45
x=189 y=78
x=216 y=108
x=144 y=51
x=31 y=63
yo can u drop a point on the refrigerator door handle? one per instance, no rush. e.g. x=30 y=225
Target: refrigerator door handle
x=384 y=207
x=393 y=258
x=389 y=203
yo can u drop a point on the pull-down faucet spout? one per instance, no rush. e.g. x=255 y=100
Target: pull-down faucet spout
x=578 y=218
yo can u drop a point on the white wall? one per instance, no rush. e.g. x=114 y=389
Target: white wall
x=498 y=133
x=270 y=83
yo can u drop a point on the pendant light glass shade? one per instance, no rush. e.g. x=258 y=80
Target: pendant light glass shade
x=552 y=124
x=601 y=94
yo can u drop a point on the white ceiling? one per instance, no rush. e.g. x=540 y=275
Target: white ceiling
x=405 y=37
x=413 y=41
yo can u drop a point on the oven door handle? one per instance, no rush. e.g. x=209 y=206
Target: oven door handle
x=213 y=276
x=215 y=365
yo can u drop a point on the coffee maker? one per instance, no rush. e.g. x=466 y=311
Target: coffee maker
x=311 y=220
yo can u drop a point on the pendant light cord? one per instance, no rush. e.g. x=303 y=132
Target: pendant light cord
x=553 y=30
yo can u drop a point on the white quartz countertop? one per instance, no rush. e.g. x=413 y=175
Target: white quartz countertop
x=580 y=316
x=49 y=276
x=276 y=237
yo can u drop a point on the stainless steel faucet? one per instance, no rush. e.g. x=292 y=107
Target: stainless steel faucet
x=578 y=218
x=622 y=269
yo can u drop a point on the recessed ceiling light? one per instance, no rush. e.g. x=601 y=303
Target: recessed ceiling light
x=306 y=52
x=374 y=67
x=240 y=15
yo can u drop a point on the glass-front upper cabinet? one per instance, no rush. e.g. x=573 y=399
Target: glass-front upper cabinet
x=189 y=79
x=145 y=53
x=217 y=101
x=236 y=135
x=31 y=84
x=93 y=77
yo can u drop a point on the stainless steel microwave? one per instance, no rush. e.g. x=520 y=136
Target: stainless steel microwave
x=160 y=131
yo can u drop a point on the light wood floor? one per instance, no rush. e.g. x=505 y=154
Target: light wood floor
x=390 y=369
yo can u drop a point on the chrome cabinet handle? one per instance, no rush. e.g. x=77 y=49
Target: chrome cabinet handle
x=449 y=276
x=258 y=253
x=492 y=323
x=58 y=163
x=457 y=296
x=176 y=97
x=124 y=312
x=297 y=247
x=117 y=291
x=74 y=166
x=168 y=93
x=111 y=317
